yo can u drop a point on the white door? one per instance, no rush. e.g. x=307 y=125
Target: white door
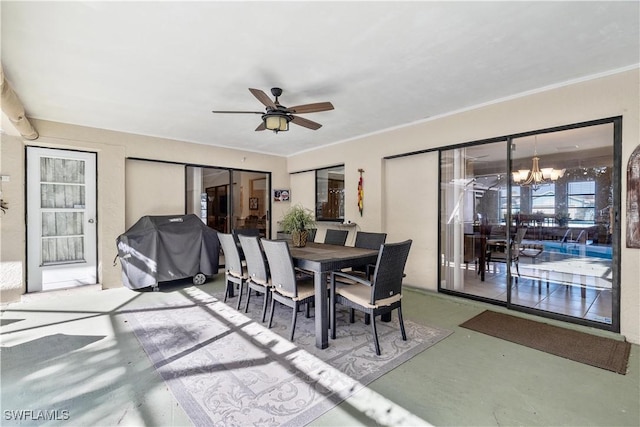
x=61 y=219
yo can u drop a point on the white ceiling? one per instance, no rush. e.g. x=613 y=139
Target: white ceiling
x=159 y=68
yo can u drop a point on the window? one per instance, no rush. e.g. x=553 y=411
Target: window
x=515 y=202
x=330 y=194
x=581 y=201
x=543 y=199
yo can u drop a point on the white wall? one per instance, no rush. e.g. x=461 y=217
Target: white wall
x=153 y=188
x=402 y=220
x=608 y=96
x=115 y=186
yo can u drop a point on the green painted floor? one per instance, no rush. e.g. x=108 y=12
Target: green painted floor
x=71 y=353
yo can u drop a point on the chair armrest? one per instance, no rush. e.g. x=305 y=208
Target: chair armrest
x=371 y=268
x=350 y=277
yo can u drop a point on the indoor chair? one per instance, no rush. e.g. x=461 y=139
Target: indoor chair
x=287 y=288
x=234 y=271
x=380 y=295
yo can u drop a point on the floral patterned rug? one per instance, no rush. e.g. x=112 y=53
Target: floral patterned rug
x=226 y=368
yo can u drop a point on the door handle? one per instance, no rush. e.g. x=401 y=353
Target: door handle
x=91 y=221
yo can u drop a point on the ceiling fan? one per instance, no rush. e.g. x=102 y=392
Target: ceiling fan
x=277 y=116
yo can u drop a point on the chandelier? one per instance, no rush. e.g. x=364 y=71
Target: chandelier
x=536 y=176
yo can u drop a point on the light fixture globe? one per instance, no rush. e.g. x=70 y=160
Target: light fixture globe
x=276 y=121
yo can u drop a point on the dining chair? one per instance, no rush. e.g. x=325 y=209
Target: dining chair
x=336 y=237
x=311 y=236
x=234 y=271
x=497 y=251
x=245 y=232
x=380 y=295
x=257 y=271
x=287 y=289
x=368 y=240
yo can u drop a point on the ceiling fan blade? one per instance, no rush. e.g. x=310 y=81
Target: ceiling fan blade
x=306 y=123
x=311 y=108
x=238 y=112
x=261 y=127
x=262 y=97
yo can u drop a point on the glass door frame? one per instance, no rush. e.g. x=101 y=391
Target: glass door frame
x=614 y=326
x=232 y=173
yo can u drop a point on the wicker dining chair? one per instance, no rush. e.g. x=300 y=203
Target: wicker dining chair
x=257 y=271
x=368 y=240
x=287 y=288
x=380 y=295
x=234 y=271
x=311 y=236
x=336 y=237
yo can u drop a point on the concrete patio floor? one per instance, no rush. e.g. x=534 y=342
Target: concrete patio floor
x=72 y=354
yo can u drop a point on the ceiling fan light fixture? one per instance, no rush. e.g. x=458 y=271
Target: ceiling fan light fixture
x=276 y=122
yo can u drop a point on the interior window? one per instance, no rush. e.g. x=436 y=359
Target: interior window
x=543 y=199
x=581 y=202
x=515 y=202
x=330 y=194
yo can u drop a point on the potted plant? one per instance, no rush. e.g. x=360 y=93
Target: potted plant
x=297 y=221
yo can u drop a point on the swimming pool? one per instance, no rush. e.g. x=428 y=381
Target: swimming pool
x=579 y=249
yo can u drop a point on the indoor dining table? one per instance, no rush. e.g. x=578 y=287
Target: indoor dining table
x=322 y=259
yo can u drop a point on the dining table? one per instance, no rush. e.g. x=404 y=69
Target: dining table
x=321 y=259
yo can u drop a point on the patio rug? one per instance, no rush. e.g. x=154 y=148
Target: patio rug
x=601 y=352
x=226 y=368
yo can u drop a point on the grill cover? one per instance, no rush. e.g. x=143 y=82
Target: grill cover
x=161 y=248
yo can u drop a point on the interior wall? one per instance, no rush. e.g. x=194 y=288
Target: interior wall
x=607 y=96
x=112 y=148
x=12 y=236
x=153 y=188
x=402 y=221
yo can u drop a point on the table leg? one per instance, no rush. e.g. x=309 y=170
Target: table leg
x=322 y=318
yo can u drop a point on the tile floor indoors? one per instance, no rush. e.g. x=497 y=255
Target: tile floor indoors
x=586 y=296
x=72 y=349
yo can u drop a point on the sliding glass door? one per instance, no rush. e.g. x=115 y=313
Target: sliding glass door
x=473 y=209
x=528 y=222
x=565 y=259
x=227 y=199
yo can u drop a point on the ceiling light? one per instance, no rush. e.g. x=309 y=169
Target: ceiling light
x=536 y=176
x=276 y=121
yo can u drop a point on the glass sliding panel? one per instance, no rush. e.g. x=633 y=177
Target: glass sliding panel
x=250 y=202
x=208 y=196
x=473 y=182
x=565 y=258
x=244 y=205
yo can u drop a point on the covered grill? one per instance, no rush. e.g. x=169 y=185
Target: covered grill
x=163 y=248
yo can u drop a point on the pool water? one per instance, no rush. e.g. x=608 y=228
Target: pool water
x=579 y=249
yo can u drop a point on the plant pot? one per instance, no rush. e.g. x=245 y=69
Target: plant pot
x=299 y=238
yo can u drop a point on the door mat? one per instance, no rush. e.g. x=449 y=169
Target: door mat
x=601 y=352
